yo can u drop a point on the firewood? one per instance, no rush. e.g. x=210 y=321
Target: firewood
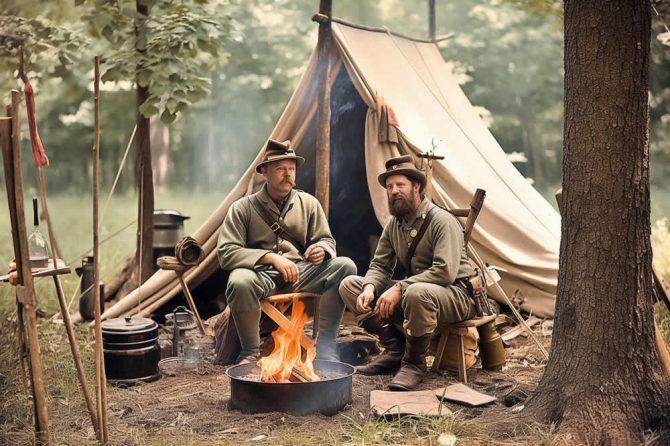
x=299 y=376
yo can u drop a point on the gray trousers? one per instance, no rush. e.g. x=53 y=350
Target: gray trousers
x=246 y=287
x=424 y=306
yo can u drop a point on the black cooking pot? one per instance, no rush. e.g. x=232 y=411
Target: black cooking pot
x=168 y=230
x=131 y=350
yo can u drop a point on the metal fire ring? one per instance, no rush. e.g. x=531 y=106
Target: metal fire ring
x=327 y=396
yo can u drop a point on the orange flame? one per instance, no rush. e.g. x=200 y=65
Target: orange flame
x=286 y=357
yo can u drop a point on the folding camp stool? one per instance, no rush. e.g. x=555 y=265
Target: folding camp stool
x=460 y=329
x=275 y=305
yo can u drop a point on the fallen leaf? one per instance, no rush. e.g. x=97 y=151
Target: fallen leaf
x=259 y=438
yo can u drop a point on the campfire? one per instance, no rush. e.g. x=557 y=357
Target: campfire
x=288 y=362
x=290 y=380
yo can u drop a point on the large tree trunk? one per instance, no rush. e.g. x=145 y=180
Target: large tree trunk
x=603 y=382
x=144 y=172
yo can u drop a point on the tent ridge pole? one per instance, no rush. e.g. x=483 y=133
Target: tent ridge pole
x=320 y=18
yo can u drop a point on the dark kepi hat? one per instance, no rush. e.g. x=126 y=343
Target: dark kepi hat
x=277 y=151
x=402 y=165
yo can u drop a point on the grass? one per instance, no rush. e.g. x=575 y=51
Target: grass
x=447 y=429
x=72 y=219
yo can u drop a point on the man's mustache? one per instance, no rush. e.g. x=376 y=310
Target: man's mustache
x=289 y=181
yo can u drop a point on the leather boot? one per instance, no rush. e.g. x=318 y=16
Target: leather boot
x=326 y=348
x=248 y=359
x=413 y=365
x=393 y=342
x=246 y=324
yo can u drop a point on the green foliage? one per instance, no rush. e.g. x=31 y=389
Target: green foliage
x=508 y=55
x=542 y=8
x=170 y=50
x=49 y=49
x=268 y=51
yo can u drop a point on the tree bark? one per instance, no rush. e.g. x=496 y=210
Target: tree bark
x=603 y=382
x=144 y=170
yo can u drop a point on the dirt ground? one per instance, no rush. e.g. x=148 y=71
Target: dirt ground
x=197 y=404
x=192 y=409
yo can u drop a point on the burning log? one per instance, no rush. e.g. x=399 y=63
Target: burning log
x=286 y=360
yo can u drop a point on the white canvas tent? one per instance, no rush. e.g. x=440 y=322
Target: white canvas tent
x=373 y=71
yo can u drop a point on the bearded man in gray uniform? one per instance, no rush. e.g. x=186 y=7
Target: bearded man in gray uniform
x=405 y=313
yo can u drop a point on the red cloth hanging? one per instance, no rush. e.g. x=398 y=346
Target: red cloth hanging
x=39 y=152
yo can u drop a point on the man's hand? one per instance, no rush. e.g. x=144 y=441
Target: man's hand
x=388 y=301
x=364 y=299
x=286 y=268
x=13 y=277
x=315 y=254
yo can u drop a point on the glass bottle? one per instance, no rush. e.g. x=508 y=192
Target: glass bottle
x=37 y=244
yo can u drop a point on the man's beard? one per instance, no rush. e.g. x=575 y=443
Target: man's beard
x=400 y=206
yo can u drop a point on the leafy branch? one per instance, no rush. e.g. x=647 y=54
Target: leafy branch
x=49 y=50
x=171 y=51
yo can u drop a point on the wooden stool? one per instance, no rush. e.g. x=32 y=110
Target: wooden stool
x=272 y=304
x=460 y=330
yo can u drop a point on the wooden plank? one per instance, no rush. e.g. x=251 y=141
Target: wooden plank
x=418 y=402
x=49 y=270
x=461 y=393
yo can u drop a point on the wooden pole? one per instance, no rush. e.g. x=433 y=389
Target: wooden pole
x=6 y=140
x=25 y=290
x=191 y=302
x=81 y=374
x=324 y=44
x=431 y=19
x=100 y=381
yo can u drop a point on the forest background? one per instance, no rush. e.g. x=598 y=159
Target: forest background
x=508 y=56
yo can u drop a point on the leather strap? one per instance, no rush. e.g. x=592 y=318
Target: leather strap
x=419 y=235
x=276 y=226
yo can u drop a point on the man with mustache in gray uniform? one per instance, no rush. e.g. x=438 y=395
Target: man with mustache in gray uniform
x=279 y=239
x=405 y=313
